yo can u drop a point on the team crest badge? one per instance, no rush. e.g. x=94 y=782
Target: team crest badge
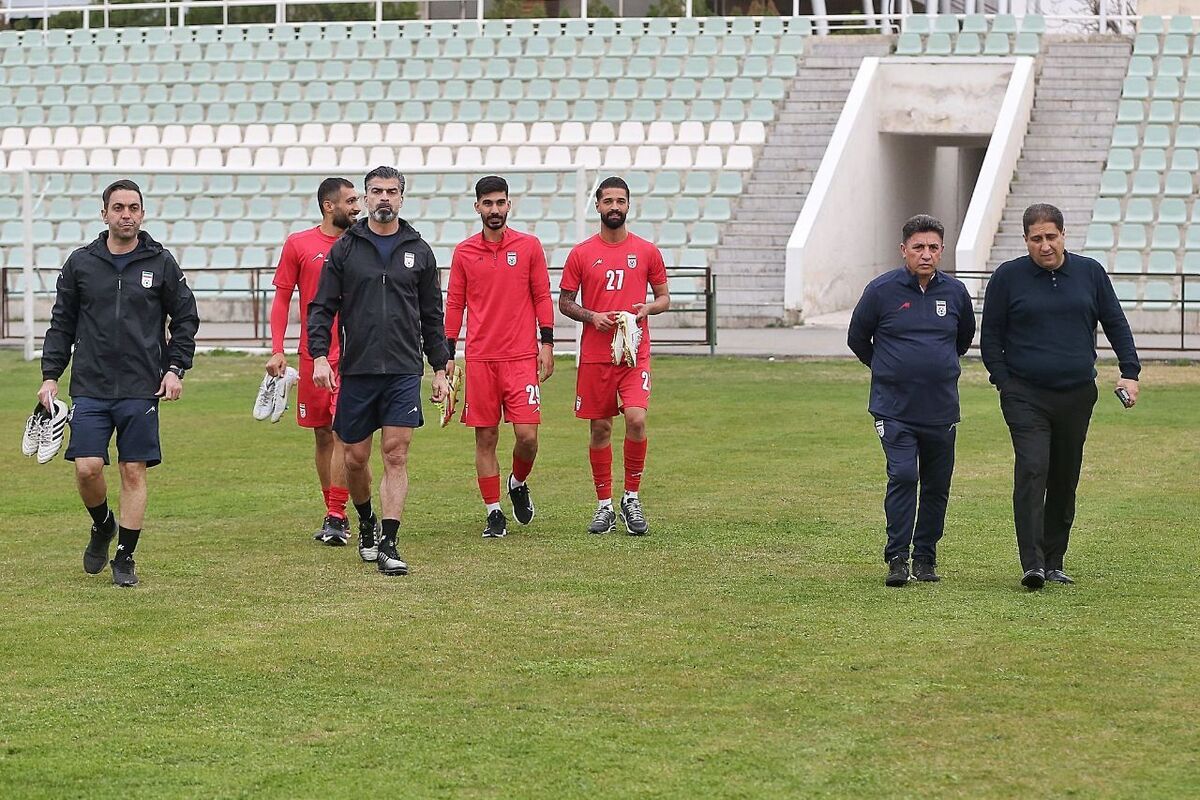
x=631 y=260
x=939 y=306
x=512 y=258
x=147 y=280
x=879 y=427
x=409 y=260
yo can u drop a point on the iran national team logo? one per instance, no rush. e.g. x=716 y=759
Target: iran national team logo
x=147 y=280
x=631 y=260
x=409 y=260
x=939 y=307
x=512 y=258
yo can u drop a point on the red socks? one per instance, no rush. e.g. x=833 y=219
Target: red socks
x=601 y=458
x=635 y=462
x=489 y=488
x=336 y=498
x=521 y=469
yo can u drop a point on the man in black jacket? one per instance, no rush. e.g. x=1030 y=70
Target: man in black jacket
x=114 y=299
x=381 y=278
x=911 y=327
x=1038 y=344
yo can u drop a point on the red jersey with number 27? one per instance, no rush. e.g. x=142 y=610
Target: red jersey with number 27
x=612 y=277
x=300 y=264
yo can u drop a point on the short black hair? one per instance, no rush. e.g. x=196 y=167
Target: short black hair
x=922 y=223
x=489 y=184
x=123 y=184
x=385 y=173
x=612 y=183
x=1041 y=212
x=329 y=189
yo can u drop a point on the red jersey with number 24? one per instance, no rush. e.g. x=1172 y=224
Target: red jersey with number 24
x=612 y=277
x=300 y=264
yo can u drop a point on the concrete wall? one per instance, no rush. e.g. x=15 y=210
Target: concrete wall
x=910 y=140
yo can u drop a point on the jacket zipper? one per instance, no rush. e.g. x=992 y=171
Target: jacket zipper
x=117 y=330
x=383 y=319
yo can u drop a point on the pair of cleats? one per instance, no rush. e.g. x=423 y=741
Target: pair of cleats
x=1037 y=578
x=44 y=431
x=372 y=548
x=95 y=555
x=627 y=337
x=272 y=398
x=448 y=407
x=523 y=511
x=899 y=574
x=632 y=517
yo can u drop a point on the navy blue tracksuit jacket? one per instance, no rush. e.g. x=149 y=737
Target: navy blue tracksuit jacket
x=912 y=341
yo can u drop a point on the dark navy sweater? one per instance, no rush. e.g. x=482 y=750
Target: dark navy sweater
x=1040 y=325
x=912 y=341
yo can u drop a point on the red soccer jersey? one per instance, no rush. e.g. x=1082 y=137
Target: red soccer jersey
x=300 y=264
x=612 y=277
x=505 y=288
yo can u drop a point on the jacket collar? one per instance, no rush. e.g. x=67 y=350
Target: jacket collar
x=1063 y=269
x=910 y=279
x=407 y=233
x=99 y=247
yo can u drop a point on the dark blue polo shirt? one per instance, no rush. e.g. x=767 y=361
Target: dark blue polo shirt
x=912 y=341
x=1040 y=325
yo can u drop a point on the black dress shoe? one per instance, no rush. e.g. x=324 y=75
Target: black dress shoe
x=1033 y=579
x=897 y=572
x=1058 y=576
x=923 y=570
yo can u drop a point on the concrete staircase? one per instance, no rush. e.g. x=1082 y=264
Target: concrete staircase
x=749 y=263
x=1066 y=146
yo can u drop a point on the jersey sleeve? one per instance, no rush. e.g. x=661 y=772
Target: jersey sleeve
x=539 y=287
x=287 y=272
x=571 y=273
x=657 y=273
x=456 y=296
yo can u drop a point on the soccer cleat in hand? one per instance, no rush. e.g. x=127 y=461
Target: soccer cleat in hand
x=279 y=402
x=54 y=425
x=627 y=337
x=449 y=406
x=33 y=431
x=264 y=401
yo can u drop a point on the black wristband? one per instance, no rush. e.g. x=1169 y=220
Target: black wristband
x=177 y=370
x=547 y=335
x=452 y=346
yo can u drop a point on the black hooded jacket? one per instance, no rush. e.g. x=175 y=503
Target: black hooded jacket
x=116 y=321
x=388 y=313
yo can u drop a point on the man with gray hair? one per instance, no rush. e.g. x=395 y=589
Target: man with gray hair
x=381 y=282
x=911 y=327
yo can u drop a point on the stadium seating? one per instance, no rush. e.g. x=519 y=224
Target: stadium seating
x=681 y=112
x=1146 y=220
x=942 y=35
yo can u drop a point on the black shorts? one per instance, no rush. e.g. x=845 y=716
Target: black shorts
x=367 y=403
x=134 y=419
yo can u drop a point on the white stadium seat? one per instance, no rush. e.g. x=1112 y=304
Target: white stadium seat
x=92 y=136
x=468 y=156
x=266 y=157
x=156 y=158
x=398 y=133
x=410 y=156
x=751 y=132
x=284 y=135
x=45 y=158
x=528 y=156
x=66 y=137
x=312 y=133
x=542 y=133
x=588 y=156
x=201 y=136
x=648 y=156
x=74 y=157
x=381 y=155
x=498 y=155
x=209 y=158
x=439 y=157
x=739 y=157
x=426 y=134
x=617 y=157
x=229 y=135
x=572 y=133
x=708 y=157
x=324 y=157
x=721 y=132
x=601 y=134
x=513 y=133
x=295 y=157
x=183 y=158
x=256 y=136
x=239 y=158
x=370 y=133
x=145 y=136
x=484 y=134
x=631 y=133
x=129 y=158
x=19 y=159
x=691 y=133
x=340 y=133
x=455 y=133
x=173 y=136
x=354 y=158
x=100 y=158
x=678 y=157
x=558 y=156
x=13 y=137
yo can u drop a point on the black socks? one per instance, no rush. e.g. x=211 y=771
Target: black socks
x=391 y=530
x=127 y=540
x=99 y=513
x=364 y=510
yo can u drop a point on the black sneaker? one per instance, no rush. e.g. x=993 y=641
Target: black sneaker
x=95 y=555
x=335 y=532
x=1058 y=576
x=923 y=570
x=497 y=525
x=122 y=572
x=389 y=561
x=633 y=517
x=897 y=572
x=1033 y=579
x=605 y=521
x=522 y=503
x=369 y=531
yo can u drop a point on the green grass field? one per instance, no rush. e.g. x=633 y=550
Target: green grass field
x=747 y=648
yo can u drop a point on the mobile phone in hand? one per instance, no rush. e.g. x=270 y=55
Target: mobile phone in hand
x=1123 y=396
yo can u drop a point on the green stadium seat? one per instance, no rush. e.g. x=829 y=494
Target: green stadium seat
x=1162 y=111
x=1187 y=136
x=1139 y=210
x=1141 y=67
x=1156 y=136
x=1145 y=183
x=1114 y=183
x=1034 y=24
x=1126 y=261
x=908 y=44
x=1126 y=136
x=1166 y=237
x=1153 y=158
x=1178 y=184
x=1121 y=158
x=967 y=44
x=1135 y=88
x=938 y=44
x=1132 y=236
x=1166 y=87
x=1099 y=236
x=1026 y=44
x=1107 y=210
x=1152 y=24
x=1162 y=262
x=1176 y=45
x=996 y=44
x=1185 y=159
x=944 y=23
x=1131 y=112
x=1191 y=266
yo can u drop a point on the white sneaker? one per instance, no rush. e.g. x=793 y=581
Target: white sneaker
x=279 y=402
x=53 y=428
x=33 y=431
x=265 y=399
x=627 y=336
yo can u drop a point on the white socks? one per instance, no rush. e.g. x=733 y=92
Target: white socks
x=492 y=507
x=631 y=494
x=604 y=504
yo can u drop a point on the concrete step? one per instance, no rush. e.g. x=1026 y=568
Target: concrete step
x=1108 y=104
x=747 y=256
x=776 y=238
x=759 y=283
x=797 y=187
x=807 y=139
x=829 y=118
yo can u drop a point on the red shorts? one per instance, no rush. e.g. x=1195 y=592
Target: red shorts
x=314 y=407
x=508 y=386
x=605 y=390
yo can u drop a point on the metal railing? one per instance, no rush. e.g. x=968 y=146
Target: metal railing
x=252 y=328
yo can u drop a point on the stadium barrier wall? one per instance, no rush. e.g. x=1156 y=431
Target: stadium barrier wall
x=982 y=220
